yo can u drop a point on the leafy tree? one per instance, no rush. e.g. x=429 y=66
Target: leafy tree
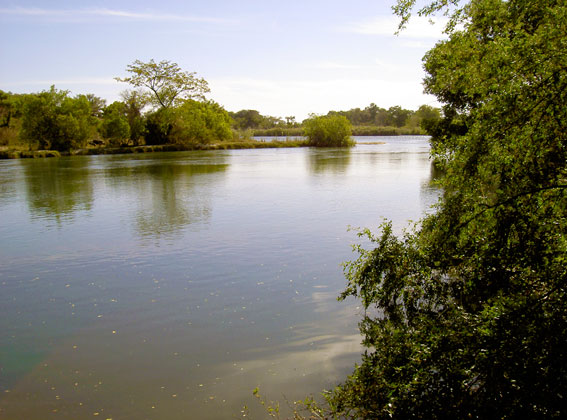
x=158 y=126
x=328 y=131
x=167 y=83
x=53 y=120
x=9 y=118
x=97 y=104
x=135 y=101
x=200 y=123
x=247 y=118
x=250 y=118
x=6 y=109
x=115 y=125
x=397 y=116
x=466 y=315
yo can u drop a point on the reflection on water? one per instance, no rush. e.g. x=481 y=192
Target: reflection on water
x=171 y=187
x=330 y=160
x=58 y=188
x=169 y=286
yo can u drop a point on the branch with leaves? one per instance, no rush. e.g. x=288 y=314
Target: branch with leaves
x=167 y=83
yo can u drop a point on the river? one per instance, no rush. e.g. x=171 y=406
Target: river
x=169 y=286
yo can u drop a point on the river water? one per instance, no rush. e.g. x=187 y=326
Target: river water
x=169 y=286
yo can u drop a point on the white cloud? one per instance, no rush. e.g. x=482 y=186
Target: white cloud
x=84 y=14
x=418 y=27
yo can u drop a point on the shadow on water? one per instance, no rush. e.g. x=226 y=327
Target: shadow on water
x=58 y=188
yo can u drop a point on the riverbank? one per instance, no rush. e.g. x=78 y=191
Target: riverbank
x=230 y=145
x=246 y=144
x=357 y=130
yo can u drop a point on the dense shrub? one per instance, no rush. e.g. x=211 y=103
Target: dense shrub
x=328 y=131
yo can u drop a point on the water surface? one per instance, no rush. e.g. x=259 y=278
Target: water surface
x=168 y=286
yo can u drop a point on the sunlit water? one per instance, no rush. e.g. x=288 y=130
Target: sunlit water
x=169 y=286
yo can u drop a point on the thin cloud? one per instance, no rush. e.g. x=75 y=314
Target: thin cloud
x=417 y=28
x=86 y=14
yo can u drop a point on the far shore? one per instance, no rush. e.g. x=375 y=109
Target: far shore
x=7 y=153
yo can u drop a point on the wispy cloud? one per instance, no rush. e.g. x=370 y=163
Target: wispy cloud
x=80 y=15
x=417 y=28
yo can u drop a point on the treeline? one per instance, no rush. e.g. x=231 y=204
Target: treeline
x=370 y=121
x=54 y=120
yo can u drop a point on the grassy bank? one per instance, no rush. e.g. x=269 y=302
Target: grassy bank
x=19 y=154
x=242 y=144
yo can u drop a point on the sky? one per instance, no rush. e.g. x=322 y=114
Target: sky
x=282 y=58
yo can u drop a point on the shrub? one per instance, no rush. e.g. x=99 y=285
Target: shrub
x=328 y=131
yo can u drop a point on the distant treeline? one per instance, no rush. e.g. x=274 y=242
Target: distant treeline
x=370 y=121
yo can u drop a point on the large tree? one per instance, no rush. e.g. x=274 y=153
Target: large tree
x=54 y=120
x=167 y=82
x=466 y=316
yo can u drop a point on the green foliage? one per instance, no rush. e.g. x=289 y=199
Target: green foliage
x=200 y=123
x=362 y=130
x=115 y=125
x=167 y=83
x=158 y=126
x=9 y=121
x=278 y=132
x=466 y=315
x=328 y=131
x=372 y=115
x=250 y=118
x=135 y=101
x=53 y=120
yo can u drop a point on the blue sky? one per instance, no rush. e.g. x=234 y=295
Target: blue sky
x=282 y=58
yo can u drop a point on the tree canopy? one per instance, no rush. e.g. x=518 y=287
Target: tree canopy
x=466 y=314
x=167 y=82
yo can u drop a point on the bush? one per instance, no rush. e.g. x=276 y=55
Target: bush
x=328 y=131
x=200 y=123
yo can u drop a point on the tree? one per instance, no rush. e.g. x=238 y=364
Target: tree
x=466 y=315
x=397 y=116
x=53 y=120
x=166 y=81
x=158 y=126
x=200 y=123
x=247 y=118
x=328 y=131
x=97 y=104
x=115 y=125
x=135 y=101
